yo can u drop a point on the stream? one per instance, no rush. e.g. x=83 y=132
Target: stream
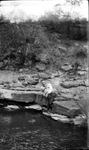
x=31 y=130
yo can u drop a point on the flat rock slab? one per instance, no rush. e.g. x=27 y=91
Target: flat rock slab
x=20 y=96
x=69 y=108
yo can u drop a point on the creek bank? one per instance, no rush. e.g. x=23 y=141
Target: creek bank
x=29 y=89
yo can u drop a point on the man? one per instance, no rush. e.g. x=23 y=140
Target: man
x=50 y=93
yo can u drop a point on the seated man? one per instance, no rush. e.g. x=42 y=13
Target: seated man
x=50 y=93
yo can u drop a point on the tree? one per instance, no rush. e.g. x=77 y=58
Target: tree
x=74 y=2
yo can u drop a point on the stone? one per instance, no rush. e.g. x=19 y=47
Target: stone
x=66 y=67
x=76 y=44
x=6 y=61
x=59 y=98
x=11 y=68
x=32 y=81
x=35 y=107
x=28 y=80
x=82 y=103
x=81 y=72
x=80 y=120
x=43 y=58
x=68 y=108
x=1 y=64
x=86 y=46
x=32 y=121
x=26 y=70
x=16 y=84
x=11 y=107
x=24 y=97
x=6 y=95
x=29 y=62
x=21 y=95
x=76 y=83
x=43 y=75
x=62 y=48
x=56 y=74
x=21 y=70
x=21 y=78
x=57 y=117
x=41 y=100
x=40 y=67
x=25 y=83
x=60 y=118
x=46 y=113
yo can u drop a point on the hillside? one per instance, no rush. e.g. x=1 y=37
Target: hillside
x=43 y=45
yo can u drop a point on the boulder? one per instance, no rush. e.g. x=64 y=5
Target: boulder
x=24 y=97
x=66 y=67
x=56 y=74
x=33 y=81
x=68 y=108
x=70 y=84
x=28 y=80
x=43 y=58
x=80 y=120
x=1 y=65
x=41 y=100
x=40 y=67
x=43 y=75
x=19 y=96
x=81 y=72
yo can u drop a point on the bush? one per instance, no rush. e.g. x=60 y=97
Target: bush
x=18 y=36
x=68 y=28
x=25 y=41
x=79 y=58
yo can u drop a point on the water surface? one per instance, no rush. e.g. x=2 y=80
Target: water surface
x=28 y=130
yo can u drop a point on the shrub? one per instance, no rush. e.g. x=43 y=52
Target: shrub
x=69 y=28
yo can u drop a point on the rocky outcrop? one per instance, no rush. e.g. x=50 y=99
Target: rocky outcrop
x=68 y=108
x=30 y=89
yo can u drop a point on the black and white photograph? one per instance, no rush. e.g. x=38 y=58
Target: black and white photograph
x=44 y=75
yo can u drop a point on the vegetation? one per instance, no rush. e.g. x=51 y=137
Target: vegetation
x=23 y=43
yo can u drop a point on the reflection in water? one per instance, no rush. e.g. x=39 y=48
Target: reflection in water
x=5 y=119
x=31 y=121
x=27 y=130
